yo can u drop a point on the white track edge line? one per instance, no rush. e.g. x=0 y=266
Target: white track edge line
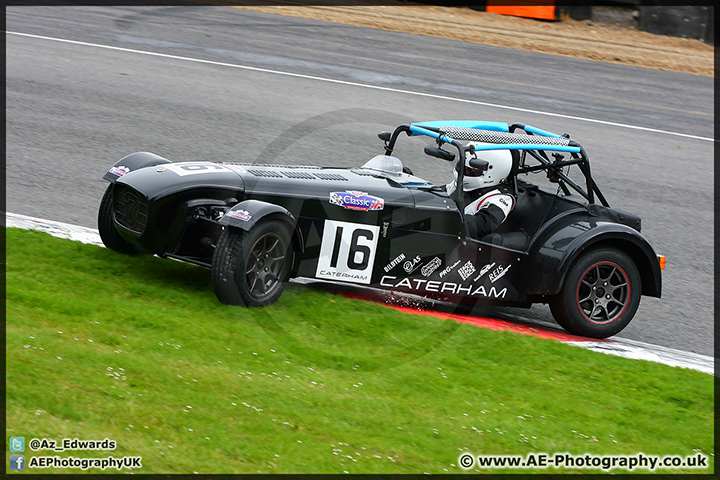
x=362 y=85
x=619 y=347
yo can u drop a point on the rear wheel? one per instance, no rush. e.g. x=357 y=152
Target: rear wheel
x=600 y=296
x=106 y=227
x=251 y=267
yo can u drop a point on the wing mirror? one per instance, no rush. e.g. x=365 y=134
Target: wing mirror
x=438 y=152
x=479 y=164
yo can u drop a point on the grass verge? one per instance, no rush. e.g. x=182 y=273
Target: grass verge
x=138 y=350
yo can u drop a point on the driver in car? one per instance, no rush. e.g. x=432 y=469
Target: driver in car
x=488 y=198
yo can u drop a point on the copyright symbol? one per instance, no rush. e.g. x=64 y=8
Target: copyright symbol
x=34 y=444
x=466 y=460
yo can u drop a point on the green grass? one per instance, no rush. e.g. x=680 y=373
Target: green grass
x=138 y=350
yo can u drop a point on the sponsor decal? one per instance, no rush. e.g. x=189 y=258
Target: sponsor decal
x=449 y=269
x=484 y=270
x=411 y=265
x=120 y=170
x=498 y=272
x=243 y=215
x=466 y=270
x=431 y=266
x=394 y=263
x=347 y=251
x=431 y=286
x=355 y=200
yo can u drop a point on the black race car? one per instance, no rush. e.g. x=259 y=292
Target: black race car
x=378 y=225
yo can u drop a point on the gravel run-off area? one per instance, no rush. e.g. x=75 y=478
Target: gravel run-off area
x=611 y=36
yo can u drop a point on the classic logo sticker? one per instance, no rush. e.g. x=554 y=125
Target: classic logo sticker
x=355 y=200
x=120 y=170
x=243 y=215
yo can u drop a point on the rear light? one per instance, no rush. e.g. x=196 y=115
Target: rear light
x=661 y=260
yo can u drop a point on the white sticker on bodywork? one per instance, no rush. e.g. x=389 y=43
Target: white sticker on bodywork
x=195 y=168
x=347 y=251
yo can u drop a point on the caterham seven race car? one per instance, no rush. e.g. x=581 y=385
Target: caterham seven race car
x=257 y=225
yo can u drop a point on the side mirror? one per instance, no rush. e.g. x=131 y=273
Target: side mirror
x=481 y=165
x=438 y=152
x=385 y=136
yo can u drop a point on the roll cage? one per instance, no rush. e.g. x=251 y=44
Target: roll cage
x=533 y=142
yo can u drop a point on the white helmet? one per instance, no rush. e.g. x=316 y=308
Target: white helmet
x=499 y=166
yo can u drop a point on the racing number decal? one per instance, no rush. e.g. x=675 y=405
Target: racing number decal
x=358 y=255
x=347 y=251
x=190 y=168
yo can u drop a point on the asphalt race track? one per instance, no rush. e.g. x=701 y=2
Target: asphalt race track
x=88 y=85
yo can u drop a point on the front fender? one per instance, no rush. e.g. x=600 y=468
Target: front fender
x=246 y=214
x=561 y=248
x=132 y=162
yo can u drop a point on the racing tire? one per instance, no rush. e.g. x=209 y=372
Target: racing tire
x=251 y=267
x=106 y=227
x=600 y=295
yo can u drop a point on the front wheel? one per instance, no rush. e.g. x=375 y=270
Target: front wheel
x=600 y=296
x=251 y=267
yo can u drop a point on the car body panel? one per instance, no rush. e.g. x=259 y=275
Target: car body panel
x=132 y=162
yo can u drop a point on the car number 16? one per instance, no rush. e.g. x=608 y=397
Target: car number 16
x=347 y=251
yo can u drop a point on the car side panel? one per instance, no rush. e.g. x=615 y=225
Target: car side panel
x=567 y=236
x=433 y=259
x=343 y=217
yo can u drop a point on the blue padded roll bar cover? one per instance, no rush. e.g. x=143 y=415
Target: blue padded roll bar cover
x=537 y=131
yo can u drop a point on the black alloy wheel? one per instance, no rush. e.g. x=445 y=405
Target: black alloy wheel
x=251 y=267
x=600 y=295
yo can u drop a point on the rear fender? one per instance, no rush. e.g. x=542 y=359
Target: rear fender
x=246 y=214
x=633 y=245
x=132 y=162
x=560 y=249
